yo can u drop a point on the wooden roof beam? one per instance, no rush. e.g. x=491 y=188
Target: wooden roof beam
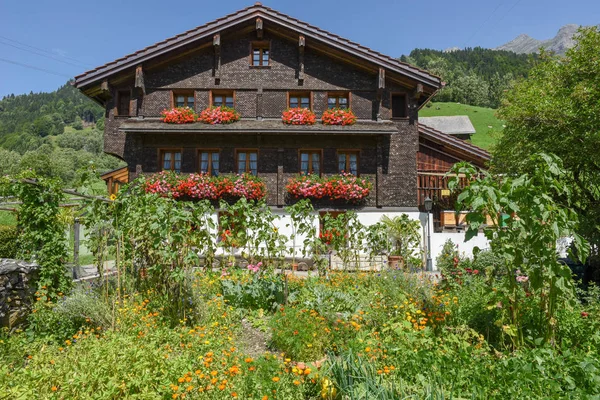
x=259 y=28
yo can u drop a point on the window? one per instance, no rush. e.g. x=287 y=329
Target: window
x=310 y=162
x=247 y=161
x=209 y=161
x=348 y=161
x=260 y=56
x=123 y=100
x=183 y=99
x=223 y=99
x=300 y=99
x=399 y=109
x=170 y=160
x=336 y=100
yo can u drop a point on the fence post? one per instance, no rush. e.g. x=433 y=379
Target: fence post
x=76 y=229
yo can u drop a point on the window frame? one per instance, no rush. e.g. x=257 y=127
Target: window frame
x=299 y=94
x=247 y=151
x=337 y=95
x=261 y=45
x=310 y=151
x=186 y=93
x=392 y=94
x=223 y=93
x=347 y=152
x=117 y=112
x=210 y=160
x=161 y=160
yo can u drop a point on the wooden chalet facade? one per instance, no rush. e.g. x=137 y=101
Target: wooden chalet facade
x=261 y=62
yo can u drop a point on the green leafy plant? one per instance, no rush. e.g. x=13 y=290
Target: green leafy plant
x=405 y=237
x=8 y=241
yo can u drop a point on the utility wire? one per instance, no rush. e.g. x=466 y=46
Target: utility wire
x=42 y=55
x=34 y=67
x=42 y=50
x=484 y=23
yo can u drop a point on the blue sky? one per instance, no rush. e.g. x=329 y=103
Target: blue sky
x=79 y=35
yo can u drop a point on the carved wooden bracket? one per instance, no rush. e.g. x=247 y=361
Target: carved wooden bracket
x=259 y=28
x=381 y=83
x=301 y=45
x=418 y=91
x=217 y=62
x=105 y=89
x=139 y=79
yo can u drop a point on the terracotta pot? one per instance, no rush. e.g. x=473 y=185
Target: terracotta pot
x=294 y=267
x=395 y=262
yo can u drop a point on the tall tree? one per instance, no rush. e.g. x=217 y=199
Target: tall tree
x=557 y=110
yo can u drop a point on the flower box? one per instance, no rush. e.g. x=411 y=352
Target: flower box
x=219 y=115
x=179 y=115
x=345 y=187
x=298 y=116
x=205 y=187
x=338 y=116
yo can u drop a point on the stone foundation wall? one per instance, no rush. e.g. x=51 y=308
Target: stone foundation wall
x=18 y=284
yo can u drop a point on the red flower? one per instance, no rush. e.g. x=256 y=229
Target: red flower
x=298 y=116
x=584 y=314
x=338 y=187
x=338 y=116
x=179 y=115
x=219 y=115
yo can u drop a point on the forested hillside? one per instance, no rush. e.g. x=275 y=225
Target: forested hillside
x=53 y=133
x=474 y=76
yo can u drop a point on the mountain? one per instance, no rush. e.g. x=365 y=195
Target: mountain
x=558 y=44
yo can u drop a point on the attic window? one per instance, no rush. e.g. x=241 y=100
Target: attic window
x=183 y=99
x=223 y=98
x=299 y=100
x=338 y=100
x=260 y=54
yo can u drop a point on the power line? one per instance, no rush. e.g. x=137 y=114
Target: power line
x=483 y=24
x=42 y=50
x=41 y=54
x=34 y=67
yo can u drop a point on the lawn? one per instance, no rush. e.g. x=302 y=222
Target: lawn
x=8 y=218
x=481 y=117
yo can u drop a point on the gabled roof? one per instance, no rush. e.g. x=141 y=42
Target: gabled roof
x=452 y=125
x=268 y=14
x=471 y=152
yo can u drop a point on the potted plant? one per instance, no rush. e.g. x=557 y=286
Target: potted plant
x=179 y=115
x=298 y=116
x=219 y=115
x=404 y=237
x=338 y=116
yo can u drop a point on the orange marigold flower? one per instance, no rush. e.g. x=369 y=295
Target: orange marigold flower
x=54 y=388
x=275 y=379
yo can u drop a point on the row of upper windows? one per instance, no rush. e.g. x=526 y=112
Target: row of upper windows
x=303 y=99
x=311 y=161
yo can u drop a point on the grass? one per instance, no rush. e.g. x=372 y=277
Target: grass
x=481 y=117
x=8 y=218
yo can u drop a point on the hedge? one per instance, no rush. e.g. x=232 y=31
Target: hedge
x=8 y=241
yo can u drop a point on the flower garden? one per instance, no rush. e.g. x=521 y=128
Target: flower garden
x=186 y=316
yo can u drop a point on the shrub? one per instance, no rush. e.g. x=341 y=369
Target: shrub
x=8 y=241
x=302 y=334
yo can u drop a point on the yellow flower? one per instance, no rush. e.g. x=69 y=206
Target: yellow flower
x=275 y=379
x=113 y=197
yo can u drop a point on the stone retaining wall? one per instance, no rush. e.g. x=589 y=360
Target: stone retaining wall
x=18 y=284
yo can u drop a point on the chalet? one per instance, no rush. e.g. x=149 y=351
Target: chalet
x=262 y=62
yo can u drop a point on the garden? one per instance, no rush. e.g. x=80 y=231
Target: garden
x=207 y=307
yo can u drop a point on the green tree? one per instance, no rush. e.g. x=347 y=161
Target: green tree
x=557 y=110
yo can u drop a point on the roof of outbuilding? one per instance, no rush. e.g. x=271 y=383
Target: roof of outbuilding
x=452 y=125
x=475 y=153
x=255 y=11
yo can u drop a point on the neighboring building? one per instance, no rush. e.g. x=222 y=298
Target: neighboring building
x=261 y=62
x=459 y=126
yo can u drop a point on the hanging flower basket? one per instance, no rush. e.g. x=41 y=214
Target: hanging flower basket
x=205 y=187
x=298 y=116
x=219 y=115
x=179 y=115
x=345 y=187
x=338 y=116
